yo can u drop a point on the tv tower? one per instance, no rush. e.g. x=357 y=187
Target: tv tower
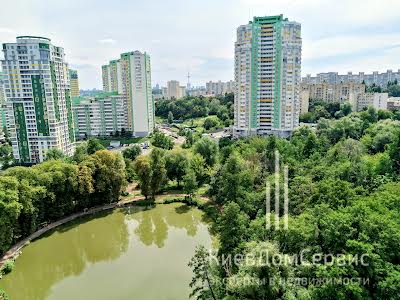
x=188 y=81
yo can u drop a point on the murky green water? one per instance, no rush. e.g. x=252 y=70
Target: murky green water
x=130 y=254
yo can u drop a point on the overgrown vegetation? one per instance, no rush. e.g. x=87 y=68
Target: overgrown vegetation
x=33 y=197
x=344 y=203
x=195 y=107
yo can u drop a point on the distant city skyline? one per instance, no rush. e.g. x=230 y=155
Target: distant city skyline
x=198 y=37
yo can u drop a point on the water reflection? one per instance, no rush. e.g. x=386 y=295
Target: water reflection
x=104 y=249
x=154 y=223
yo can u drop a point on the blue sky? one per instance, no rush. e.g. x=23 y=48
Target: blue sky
x=199 y=36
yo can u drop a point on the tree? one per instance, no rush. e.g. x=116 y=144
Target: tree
x=54 y=153
x=162 y=141
x=394 y=90
x=132 y=152
x=200 y=264
x=345 y=108
x=3 y=295
x=6 y=157
x=232 y=227
x=189 y=182
x=208 y=149
x=94 y=145
x=199 y=167
x=170 y=117
x=108 y=174
x=176 y=163
x=80 y=153
x=158 y=171
x=394 y=152
x=143 y=171
x=210 y=123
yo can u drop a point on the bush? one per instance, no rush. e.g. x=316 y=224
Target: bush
x=8 y=267
x=3 y=295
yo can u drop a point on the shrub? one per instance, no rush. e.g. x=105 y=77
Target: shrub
x=8 y=266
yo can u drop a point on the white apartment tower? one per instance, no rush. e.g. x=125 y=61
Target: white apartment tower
x=131 y=76
x=39 y=106
x=267 y=75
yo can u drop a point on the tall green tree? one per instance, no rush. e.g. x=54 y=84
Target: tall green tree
x=144 y=172
x=176 y=163
x=158 y=171
x=94 y=145
x=132 y=152
x=161 y=140
x=208 y=149
x=189 y=182
x=170 y=117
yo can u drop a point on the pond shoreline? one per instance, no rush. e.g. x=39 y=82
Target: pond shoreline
x=15 y=250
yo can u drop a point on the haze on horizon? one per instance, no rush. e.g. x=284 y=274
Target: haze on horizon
x=199 y=36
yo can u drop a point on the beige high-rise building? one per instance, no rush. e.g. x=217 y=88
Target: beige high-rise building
x=267 y=76
x=173 y=89
x=74 y=83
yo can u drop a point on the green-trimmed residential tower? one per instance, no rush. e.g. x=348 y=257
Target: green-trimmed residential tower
x=131 y=76
x=39 y=105
x=267 y=75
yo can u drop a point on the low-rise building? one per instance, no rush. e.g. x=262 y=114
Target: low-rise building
x=393 y=103
x=376 y=100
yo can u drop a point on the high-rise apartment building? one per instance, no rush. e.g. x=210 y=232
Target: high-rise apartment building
x=381 y=79
x=3 y=107
x=131 y=76
x=330 y=93
x=354 y=93
x=74 y=83
x=174 y=90
x=103 y=115
x=219 y=87
x=267 y=76
x=39 y=106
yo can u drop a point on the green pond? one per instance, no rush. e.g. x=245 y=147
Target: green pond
x=129 y=253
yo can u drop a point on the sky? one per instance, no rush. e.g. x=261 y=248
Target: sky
x=198 y=36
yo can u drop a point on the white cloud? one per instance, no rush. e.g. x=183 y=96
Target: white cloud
x=348 y=44
x=6 y=30
x=338 y=35
x=107 y=41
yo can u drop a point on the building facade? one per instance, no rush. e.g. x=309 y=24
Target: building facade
x=376 y=100
x=267 y=76
x=393 y=103
x=380 y=79
x=174 y=90
x=354 y=93
x=38 y=98
x=220 y=88
x=3 y=106
x=100 y=116
x=74 y=83
x=330 y=93
x=131 y=76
